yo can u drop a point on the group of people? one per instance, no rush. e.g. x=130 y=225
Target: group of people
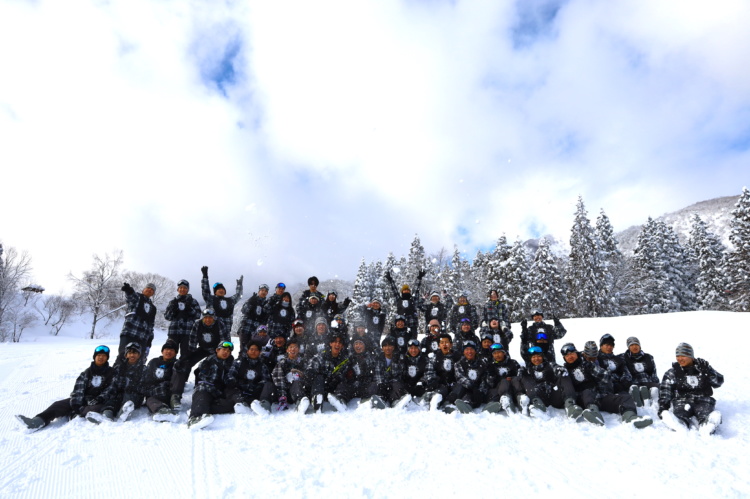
x=309 y=361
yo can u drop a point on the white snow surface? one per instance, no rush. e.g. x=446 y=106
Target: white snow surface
x=389 y=453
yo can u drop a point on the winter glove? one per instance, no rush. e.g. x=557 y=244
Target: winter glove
x=127 y=288
x=283 y=406
x=388 y=276
x=421 y=273
x=701 y=364
x=346 y=302
x=239 y=281
x=204 y=271
x=94 y=401
x=524 y=323
x=554 y=318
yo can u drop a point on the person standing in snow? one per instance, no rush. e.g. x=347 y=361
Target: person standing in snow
x=686 y=391
x=332 y=308
x=530 y=334
x=312 y=290
x=310 y=311
x=374 y=316
x=209 y=397
x=642 y=369
x=464 y=333
x=254 y=314
x=91 y=396
x=594 y=388
x=281 y=315
x=139 y=320
x=182 y=312
x=434 y=309
x=463 y=310
x=499 y=333
x=406 y=301
x=400 y=333
x=494 y=308
x=222 y=304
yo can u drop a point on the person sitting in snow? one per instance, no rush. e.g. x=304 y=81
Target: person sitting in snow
x=157 y=381
x=618 y=371
x=326 y=370
x=465 y=333
x=91 y=396
x=418 y=376
x=431 y=342
x=387 y=376
x=501 y=371
x=444 y=363
x=594 y=388
x=499 y=333
x=289 y=379
x=541 y=383
x=469 y=390
x=686 y=392
x=249 y=382
x=128 y=382
x=210 y=396
x=222 y=304
x=642 y=369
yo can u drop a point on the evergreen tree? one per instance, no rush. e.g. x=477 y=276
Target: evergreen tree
x=738 y=260
x=616 y=268
x=516 y=270
x=496 y=261
x=417 y=261
x=361 y=292
x=707 y=253
x=547 y=292
x=587 y=276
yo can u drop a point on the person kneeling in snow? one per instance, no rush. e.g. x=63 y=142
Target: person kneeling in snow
x=594 y=387
x=210 y=384
x=90 y=397
x=688 y=387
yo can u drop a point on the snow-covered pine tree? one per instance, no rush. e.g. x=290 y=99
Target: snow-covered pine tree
x=616 y=266
x=362 y=284
x=546 y=290
x=416 y=262
x=679 y=269
x=738 y=260
x=587 y=277
x=516 y=282
x=478 y=282
x=707 y=253
x=496 y=271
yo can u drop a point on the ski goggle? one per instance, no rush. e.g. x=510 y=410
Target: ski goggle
x=534 y=350
x=569 y=348
x=226 y=344
x=281 y=285
x=541 y=336
x=498 y=346
x=102 y=349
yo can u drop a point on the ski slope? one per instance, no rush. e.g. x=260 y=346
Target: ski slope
x=364 y=453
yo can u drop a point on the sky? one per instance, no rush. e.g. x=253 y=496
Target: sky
x=278 y=140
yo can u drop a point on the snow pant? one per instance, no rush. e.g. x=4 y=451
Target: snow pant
x=181 y=371
x=621 y=387
x=472 y=396
x=700 y=407
x=650 y=384
x=504 y=388
x=182 y=341
x=556 y=397
x=136 y=398
x=391 y=391
x=349 y=389
x=415 y=389
x=298 y=390
x=412 y=322
x=155 y=403
x=614 y=403
x=61 y=409
x=262 y=391
x=206 y=403
x=323 y=385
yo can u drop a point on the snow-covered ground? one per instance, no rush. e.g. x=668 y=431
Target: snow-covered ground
x=411 y=453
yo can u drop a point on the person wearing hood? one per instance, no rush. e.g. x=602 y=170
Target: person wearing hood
x=406 y=301
x=254 y=314
x=281 y=315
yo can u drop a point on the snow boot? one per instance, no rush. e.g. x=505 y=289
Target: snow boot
x=302 y=405
x=261 y=407
x=94 y=417
x=318 y=402
x=174 y=402
x=538 y=410
x=336 y=403
x=636 y=420
x=494 y=408
x=449 y=408
x=125 y=411
x=108 y=415
x=572 y=410
x=654 y=395
x=435 y=401
x=711 y=424
x=464 y=407
x=508 y=406
x=32 y=424
x=424 y=400
x=523 y=403
x=198 y=422
x=402 y=402
x=165 y=414
x=242 y=408
x=593 y=416
x=673 y=422
x=377 y=403
x=635 y=392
